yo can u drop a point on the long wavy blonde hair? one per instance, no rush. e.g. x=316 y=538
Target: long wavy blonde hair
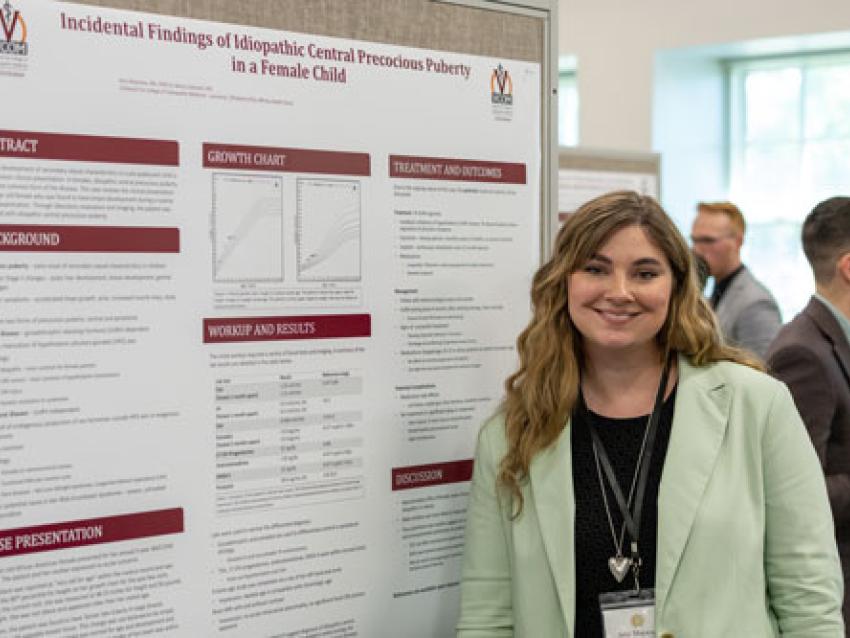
x=540 y=395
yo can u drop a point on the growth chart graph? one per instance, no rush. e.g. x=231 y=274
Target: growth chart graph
x=247 y=228
x=328 y=230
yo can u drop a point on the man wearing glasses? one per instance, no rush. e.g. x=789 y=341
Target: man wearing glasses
x=748 y=314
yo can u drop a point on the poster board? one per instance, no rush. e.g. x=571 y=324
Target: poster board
x=260 y=287
x=587 y=173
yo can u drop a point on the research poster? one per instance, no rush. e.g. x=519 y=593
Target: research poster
x=577 y=186
x=258 y=290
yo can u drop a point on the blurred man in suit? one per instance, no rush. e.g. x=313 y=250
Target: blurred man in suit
x=748 y=314
x=812 y=356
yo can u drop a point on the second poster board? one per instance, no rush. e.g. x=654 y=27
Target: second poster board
x=587 y=173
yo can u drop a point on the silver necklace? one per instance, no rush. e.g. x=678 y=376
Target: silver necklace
x=618 y=564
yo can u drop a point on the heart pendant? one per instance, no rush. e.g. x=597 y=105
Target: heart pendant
x=619 y=566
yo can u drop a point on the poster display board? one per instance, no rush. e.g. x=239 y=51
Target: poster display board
x=585 y=173
x=258 y=290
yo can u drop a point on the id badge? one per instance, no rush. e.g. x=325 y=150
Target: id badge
x=628 y=614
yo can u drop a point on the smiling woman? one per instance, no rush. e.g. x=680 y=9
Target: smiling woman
x=619 y=300
x=623 y=379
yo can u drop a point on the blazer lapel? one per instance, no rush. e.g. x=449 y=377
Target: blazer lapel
x=551 y=476
x=703 y=399
x=842 y=353
x=827 y=324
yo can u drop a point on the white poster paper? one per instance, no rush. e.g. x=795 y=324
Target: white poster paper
x=258 y=290
x=575 y=187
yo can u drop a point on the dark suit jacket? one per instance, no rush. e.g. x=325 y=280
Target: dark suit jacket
x=812 y=356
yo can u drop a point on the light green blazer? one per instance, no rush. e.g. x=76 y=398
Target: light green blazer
x=746 y=544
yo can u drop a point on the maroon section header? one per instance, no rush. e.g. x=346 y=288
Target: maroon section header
x=93 y=531
x=286 y=160
x=88 y=148
x=286 y=328
x=89 y=239
x=406 y=478
x=410 y=167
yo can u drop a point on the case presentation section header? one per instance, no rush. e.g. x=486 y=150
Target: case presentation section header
x=411 y=167
x=88 y=239
x=88 y=148
x=93 y=531
x=287 y=160
x=236 y=329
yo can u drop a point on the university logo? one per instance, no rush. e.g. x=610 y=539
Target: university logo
x=501 y=86
x=13 y=40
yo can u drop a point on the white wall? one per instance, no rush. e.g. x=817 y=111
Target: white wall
x=615 y=43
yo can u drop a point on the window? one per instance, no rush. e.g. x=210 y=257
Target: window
x=788 y=147
x=567 y=108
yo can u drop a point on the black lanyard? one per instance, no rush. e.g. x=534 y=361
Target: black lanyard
x=632 y=522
